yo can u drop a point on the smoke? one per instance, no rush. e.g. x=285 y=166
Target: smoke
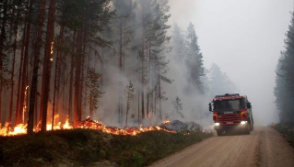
x=233 y=35
x=244 y=38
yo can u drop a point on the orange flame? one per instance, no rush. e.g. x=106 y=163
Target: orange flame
x=86 y=124
x=166 y=122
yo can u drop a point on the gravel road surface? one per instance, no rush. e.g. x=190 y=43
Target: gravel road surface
x=263 y=147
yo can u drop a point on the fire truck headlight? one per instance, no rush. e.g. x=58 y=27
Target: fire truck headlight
x=243 y=122
x=216 y=124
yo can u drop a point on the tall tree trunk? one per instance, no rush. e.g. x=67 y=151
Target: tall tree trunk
x=18 y=101
x=127 y=111
x=160 y=98
x=15 y=28
x=36 y=108
x=23 y=92
x=34 y=85
x=120 y=107
x=142 y=79
x=2 y=55
x=149 y=74
x=83 y=93
x=47 y=63
x=77 y=100
x=71 y=81
x=138 y=101
x=57 y=79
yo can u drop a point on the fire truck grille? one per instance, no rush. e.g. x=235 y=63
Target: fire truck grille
x=229 y=119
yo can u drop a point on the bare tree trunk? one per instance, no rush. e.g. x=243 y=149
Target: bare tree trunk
x=138 y=98
x=71 y=81
x=120 y=107
x=142 y=81
x=47 y=63
x=160 y=98
x=2 y=39
x=91 y=106
x=77 y=100
x=18 y=101
x=15 y=28
x=34 y=85
x=127 y=111
x=21 y=118
x=149 y=74
x=83 y=50
x=36 y=108
x=57 y=78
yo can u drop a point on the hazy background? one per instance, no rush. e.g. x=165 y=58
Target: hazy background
x=244 y=38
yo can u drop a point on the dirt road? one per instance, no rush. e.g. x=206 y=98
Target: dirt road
x=263 y=147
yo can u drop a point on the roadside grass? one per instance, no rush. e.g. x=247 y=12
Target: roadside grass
x=287 y=131
x=82 y=147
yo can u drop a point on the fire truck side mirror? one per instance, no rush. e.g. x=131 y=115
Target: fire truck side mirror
x=248 y=105
x=210 y=108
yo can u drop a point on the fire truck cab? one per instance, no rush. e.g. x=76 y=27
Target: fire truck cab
x=231 y=112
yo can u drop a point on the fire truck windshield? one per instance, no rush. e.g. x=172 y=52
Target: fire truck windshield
x=229 y=105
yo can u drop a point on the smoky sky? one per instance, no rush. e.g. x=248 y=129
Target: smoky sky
x=244 y=38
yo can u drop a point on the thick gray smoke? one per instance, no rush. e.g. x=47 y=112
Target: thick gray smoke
x=244 y=38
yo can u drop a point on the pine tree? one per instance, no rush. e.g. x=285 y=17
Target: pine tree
x=284 y=90
x=194 y=60
x=34 y=84
x=130 y=95
x=155 y=15
x=122 y=25
x=178 y=106
x=178 y=43
x=220 y=83
x=95 y=93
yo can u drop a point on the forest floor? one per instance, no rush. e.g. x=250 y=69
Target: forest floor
x=81 y=147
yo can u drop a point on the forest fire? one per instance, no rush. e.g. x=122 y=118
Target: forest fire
x=166 y=122
x=21 y=129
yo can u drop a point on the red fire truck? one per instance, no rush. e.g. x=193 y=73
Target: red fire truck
x=231 y=112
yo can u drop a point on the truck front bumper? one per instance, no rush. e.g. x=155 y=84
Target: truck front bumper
x=243 y=125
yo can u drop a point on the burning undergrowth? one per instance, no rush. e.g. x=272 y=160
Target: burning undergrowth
x=167 y=126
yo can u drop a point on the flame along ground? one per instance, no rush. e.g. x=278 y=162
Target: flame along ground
x=20 y=129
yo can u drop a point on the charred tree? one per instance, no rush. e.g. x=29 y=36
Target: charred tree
x=34 y=85
x=57 y=74
x=48 y=53
x=77 y=86
x=14 y=36
x=24 y=74
x=2 y=54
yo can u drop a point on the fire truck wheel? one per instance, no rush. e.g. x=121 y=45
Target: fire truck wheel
x=247 y=131
x=219 y=132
